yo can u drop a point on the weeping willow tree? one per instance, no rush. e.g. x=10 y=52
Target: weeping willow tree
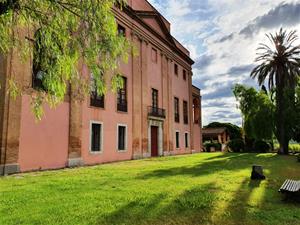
x=258 y=112
x=64 y=34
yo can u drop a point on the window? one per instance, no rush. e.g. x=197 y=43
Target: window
x=96 y=137
x=196 y=110
x=154 y=98
x=154 y=55
x=122 y=137
x=121 y=30
x=39 y=55
x=122 y=97
x=95 y=99
x=176 y=109
x=186 y=139
x=177 y=136
x=176 y=69
x=185 y=112
x=184 y=74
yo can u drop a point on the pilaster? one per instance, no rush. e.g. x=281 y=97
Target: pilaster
x=137 y=97
x=145 y=97
x=170 y=118
x=165 y=100
x=190 y=112
x=75 y=128
x=12 y=69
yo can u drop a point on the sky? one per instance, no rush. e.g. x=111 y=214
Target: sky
x=222 y=37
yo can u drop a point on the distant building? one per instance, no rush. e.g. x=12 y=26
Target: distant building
x=219 y=134
x=157 y=113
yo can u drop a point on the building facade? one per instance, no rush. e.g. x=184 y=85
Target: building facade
x=157 y=113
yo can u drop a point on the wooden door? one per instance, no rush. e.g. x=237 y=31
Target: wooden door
x=154 y=141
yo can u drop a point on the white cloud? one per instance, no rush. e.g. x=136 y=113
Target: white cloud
x=200 y=25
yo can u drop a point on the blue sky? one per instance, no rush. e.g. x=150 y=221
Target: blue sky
x=222 y=36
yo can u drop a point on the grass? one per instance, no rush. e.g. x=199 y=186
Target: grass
x=208 y=188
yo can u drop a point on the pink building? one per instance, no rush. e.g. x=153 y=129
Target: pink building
x=157 y=113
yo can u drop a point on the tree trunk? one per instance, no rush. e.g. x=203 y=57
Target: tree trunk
x=281 y=118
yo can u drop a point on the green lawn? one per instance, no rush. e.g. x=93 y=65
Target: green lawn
x=208 y=188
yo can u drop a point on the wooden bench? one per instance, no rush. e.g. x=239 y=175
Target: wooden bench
x=291 y=189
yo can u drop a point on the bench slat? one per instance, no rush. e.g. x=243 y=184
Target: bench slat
x=290 y=186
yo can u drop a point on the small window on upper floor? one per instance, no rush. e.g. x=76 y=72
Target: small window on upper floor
x=176 y=69
x=154 y=55
x=122 y=97
x=39 y=54
x=184 y=74
x=121 y=30
x=96 y=100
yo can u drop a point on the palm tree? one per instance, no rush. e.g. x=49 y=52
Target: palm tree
x=280 y=64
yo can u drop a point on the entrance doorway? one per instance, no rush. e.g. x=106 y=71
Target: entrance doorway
x=154 y=141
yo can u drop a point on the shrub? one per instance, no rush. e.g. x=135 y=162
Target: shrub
x=209 y=145
x=261 y=146
x=236 y=145
x=294 y=148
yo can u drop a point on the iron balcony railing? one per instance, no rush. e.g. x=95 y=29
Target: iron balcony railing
x=156 y=112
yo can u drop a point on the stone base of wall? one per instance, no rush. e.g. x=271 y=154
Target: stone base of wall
x=167 y=153
x=9 y=169
x=146 y=155
x=75 y=162
x=141 y=156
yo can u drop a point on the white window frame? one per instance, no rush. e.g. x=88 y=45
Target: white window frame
x=101 y=137
x=126 y=136
x=188 y=139
x=177 y=131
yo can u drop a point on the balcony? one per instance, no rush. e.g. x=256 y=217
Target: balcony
x=156 y=112
x=122 y=106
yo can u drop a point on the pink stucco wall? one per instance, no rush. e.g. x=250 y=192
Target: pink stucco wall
x=44 y=144
x=197 y=138
x=140 y=5
x=180 y=89
x=154 y=75
x=153 y=23
x=109 y=117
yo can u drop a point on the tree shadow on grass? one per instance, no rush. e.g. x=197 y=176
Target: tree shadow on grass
x=191 y=207
x=216 y=164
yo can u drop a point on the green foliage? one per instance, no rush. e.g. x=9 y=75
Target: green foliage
x=261 y=146
x=280 y=66
x=233 y=130
x=236 y=145
x=209 y=145
x=63 y=36
x=257 y=110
